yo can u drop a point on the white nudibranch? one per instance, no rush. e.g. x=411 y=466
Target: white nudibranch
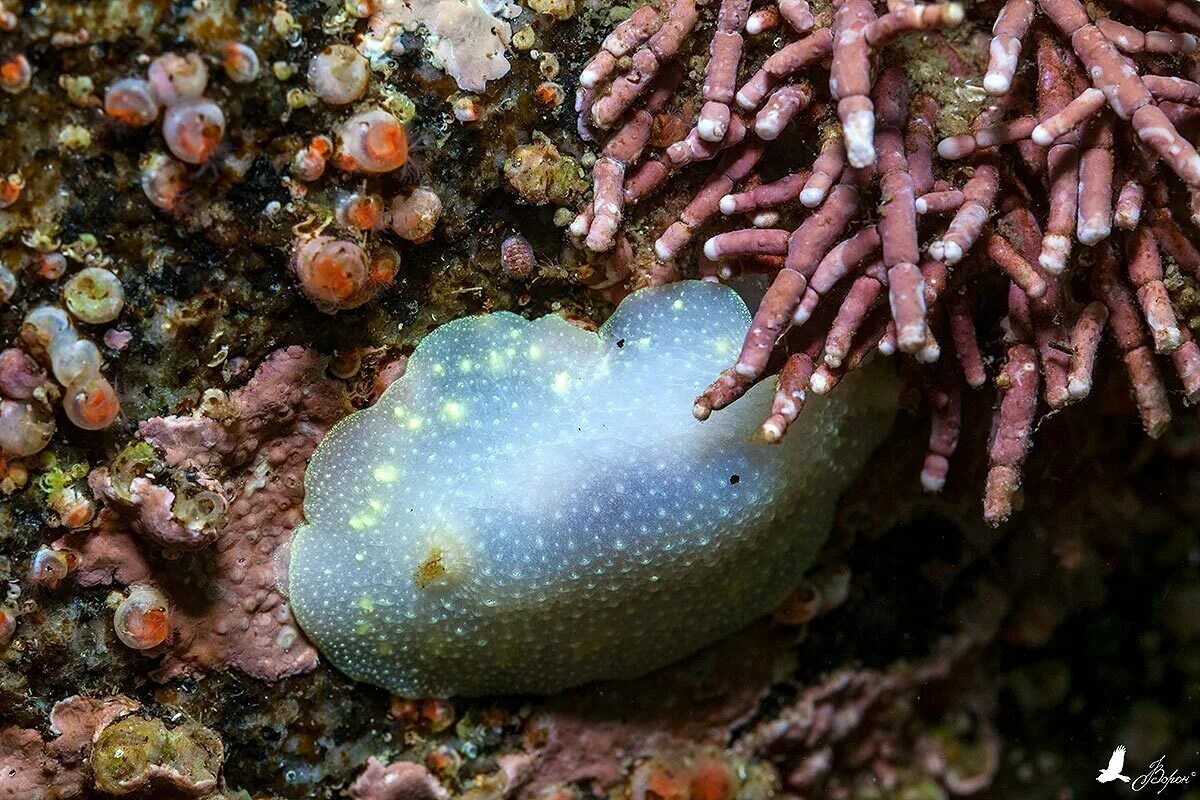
x=533 y=506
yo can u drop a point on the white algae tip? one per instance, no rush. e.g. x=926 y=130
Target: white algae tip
x=533 y=506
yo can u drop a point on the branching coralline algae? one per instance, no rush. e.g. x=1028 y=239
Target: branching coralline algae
x=533 y=506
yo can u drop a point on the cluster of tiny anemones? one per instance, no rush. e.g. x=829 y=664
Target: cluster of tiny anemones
x=859 y=258
x=336 y=273
x=88 y=398
x=193 y=125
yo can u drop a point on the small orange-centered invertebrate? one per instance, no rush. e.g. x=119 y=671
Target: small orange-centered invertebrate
x=433 y=713
x=8 y=623
x=549 y=94
x=10 y=190
x=361 y=211
x=50 y=567
x=309 y=164
x=240 y=62
x=25 y=428
x=131 y=101
x=332 y=272
x=373 y=141
x=193 y=129
x=176 y=78
x=164 y=181
x=91 y=402
x=143 y=619
x=15 y=74
x=74 y=508
x=416 y=216
x=339 y=74
x=466 y=108
x=384 y=268
x=49 y=266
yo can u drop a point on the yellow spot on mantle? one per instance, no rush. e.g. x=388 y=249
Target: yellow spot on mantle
x=453 y=411
x=385 y=473
x=363 y=521
x=561 y=382
x=430 y=570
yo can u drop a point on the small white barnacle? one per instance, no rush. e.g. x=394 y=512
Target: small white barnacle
x=591 y=484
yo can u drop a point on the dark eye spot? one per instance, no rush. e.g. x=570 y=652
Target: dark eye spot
x=620 y=342
x=735 y=479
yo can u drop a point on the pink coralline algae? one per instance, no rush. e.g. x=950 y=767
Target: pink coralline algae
x=33 y=768
x=399 y=781
x=466 y=38
x=154 y=512
x=228 y=614
x=689 y=728
x=872 y=267
x=587 y=736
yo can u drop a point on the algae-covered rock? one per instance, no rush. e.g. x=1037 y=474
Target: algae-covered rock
x=138 y=753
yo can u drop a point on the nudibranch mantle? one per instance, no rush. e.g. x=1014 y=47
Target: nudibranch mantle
x=533 y=506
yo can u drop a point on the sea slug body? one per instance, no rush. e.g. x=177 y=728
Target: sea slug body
x=532 y=506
